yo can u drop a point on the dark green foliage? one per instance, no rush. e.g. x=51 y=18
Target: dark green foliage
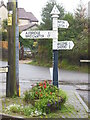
x=4 y=36
x=4 y=30
x=45 y=46
x=77 y=32
x=4 y=24
x=25 y=42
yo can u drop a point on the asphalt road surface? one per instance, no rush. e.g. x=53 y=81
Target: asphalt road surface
x=30 y=72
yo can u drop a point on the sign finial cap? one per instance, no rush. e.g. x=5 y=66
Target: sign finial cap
x=55 y=11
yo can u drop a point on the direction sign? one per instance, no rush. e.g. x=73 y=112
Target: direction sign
x=39 y=34
x=3 y=69
x=65 y=45
x=63 y=24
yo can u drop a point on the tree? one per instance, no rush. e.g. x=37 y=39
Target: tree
x=4 y=24
x=78 y=33
x=4 y=30
x=81 y=26
x=45 y=46
x=46 y=17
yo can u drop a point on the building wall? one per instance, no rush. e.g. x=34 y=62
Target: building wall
x=35 y=22
x=3 y=13
x=23 y=22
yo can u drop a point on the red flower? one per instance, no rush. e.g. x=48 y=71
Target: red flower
x=45 y=86
x=41 y=95
x=45 y=82
x=36 y=92
x=40 y=84
x=50 y=93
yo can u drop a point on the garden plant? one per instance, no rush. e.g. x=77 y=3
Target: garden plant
x=45 y=97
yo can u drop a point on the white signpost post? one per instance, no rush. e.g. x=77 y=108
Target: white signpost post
x=52 y=34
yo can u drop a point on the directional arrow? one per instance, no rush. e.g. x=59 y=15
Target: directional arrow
x=65 y=45
x=63 y=24
x=39 y=34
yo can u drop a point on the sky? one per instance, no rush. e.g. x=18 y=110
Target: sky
x=35 y=6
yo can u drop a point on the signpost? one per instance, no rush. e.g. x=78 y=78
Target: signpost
x=65 y=45
x=57 y=45
x=55 y=14
x=63 y=24
x=39 y=34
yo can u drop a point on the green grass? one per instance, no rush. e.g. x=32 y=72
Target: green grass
x=66 y=109
x=63 y=65
x=40 y=64
x=68 y=66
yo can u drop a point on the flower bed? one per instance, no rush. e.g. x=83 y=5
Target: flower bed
x=45 y=97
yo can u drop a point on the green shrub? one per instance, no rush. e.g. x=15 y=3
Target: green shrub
x=14 y=108
x=45 y=97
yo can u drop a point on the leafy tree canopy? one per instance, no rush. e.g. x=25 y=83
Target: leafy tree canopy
x=46 y=16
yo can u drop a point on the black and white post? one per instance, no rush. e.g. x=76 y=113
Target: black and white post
x=55 y=12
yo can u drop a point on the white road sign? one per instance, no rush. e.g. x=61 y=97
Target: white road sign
x=39 y=34
x=3 y=70
x=65 y=45
x=63 y=24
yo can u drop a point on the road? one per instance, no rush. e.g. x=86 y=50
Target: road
x=30 y=72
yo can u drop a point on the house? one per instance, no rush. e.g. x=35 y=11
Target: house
x=3 y=11
x=27 y=21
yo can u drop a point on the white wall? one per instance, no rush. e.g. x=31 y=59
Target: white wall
x=23 y=22
x=35 y=22
x=3 y=13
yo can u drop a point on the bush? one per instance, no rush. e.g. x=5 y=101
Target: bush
x=45 y=97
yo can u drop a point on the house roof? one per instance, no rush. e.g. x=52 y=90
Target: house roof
x=31 y=17
x=25 y=27
x=26 y=15
x=23 y=14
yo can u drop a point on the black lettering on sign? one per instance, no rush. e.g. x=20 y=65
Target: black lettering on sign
x=33 y=34
x=65 y=45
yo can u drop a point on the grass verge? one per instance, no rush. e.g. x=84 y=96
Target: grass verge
x=27 y=107
x=63 y=65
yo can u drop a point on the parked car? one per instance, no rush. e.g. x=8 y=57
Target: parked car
x=27 y=52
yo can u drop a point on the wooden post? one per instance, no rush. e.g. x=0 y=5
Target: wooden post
x=12 y=90
x=17 y=50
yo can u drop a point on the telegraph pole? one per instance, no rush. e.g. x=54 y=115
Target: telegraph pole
x=13 y=81
x=17 y=50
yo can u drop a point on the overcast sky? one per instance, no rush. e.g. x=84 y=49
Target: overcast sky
x=35 y=6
